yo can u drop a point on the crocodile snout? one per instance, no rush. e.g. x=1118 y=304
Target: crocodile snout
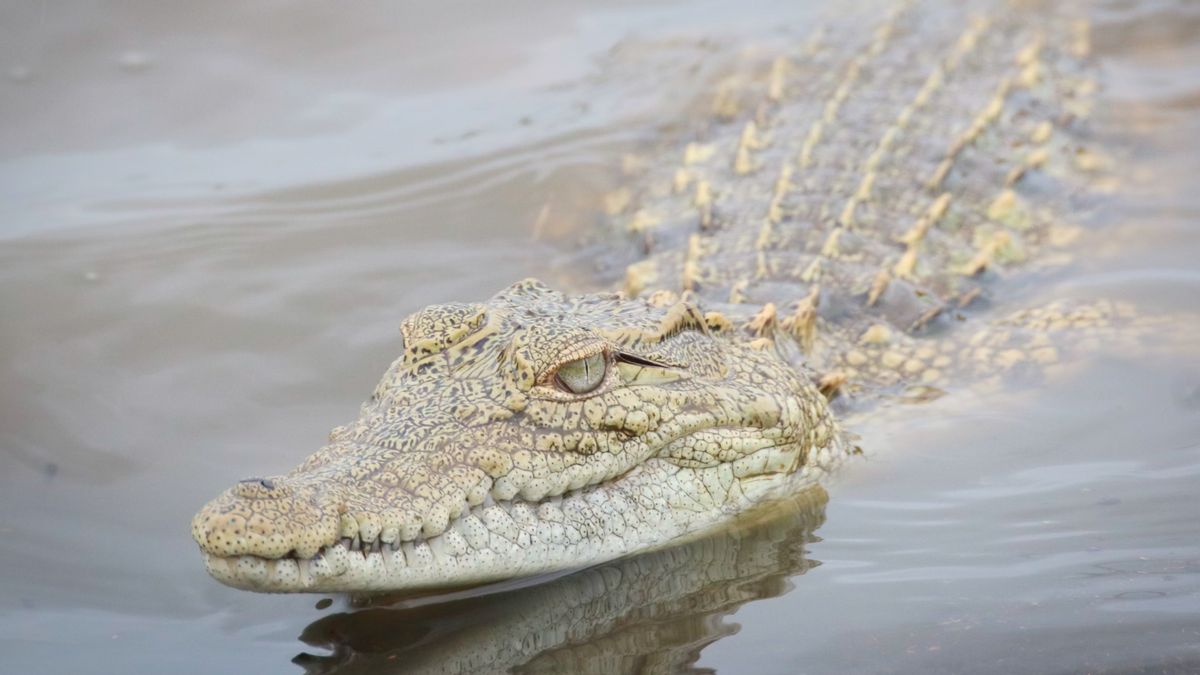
x=268 y=518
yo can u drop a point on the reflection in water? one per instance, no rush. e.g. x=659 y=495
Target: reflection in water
x=653 y=612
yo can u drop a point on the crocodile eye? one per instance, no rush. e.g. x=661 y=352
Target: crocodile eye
x=582 y=375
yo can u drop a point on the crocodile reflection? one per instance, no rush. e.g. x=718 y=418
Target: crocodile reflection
x=650 y=613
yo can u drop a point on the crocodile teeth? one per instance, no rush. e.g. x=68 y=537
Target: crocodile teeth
x=320 y=566
x=303 y=570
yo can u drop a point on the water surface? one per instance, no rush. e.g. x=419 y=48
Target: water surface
x=212 y=221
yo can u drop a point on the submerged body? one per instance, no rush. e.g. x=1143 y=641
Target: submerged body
x=827 y=229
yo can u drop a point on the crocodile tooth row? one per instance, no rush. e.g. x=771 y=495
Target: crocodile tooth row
x=364 y=543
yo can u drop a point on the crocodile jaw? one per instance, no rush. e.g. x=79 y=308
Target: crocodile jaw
x=655 y=505
x=471 y=464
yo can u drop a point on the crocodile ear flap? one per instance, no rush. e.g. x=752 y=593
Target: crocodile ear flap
x=439 y=327
x=524 y=371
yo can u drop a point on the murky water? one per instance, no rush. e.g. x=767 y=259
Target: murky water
x=212 y=221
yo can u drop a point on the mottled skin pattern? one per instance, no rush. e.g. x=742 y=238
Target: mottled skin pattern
x=652 y=613
x=825 y=232
x=469 y=428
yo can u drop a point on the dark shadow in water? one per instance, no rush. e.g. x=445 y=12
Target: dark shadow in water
x=651 y=613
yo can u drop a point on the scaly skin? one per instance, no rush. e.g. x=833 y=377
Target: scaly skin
x=648 y=614
x=836 y=210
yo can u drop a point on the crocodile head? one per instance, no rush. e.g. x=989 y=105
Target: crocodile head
x=533 y=433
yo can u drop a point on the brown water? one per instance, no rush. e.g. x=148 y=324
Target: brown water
x=212 y=221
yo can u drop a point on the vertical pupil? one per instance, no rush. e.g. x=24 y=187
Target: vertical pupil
x=582 y=375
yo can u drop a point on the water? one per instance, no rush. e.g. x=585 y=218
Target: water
x=212 y=222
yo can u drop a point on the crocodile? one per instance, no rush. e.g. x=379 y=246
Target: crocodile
x=831 y=231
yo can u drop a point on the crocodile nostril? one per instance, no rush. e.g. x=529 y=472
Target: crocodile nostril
x=268 y=484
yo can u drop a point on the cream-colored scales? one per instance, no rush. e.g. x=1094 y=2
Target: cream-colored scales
x=529 y=433
x=833 y=227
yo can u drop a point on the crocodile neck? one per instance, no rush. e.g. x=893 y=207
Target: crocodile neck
x=872 y=183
